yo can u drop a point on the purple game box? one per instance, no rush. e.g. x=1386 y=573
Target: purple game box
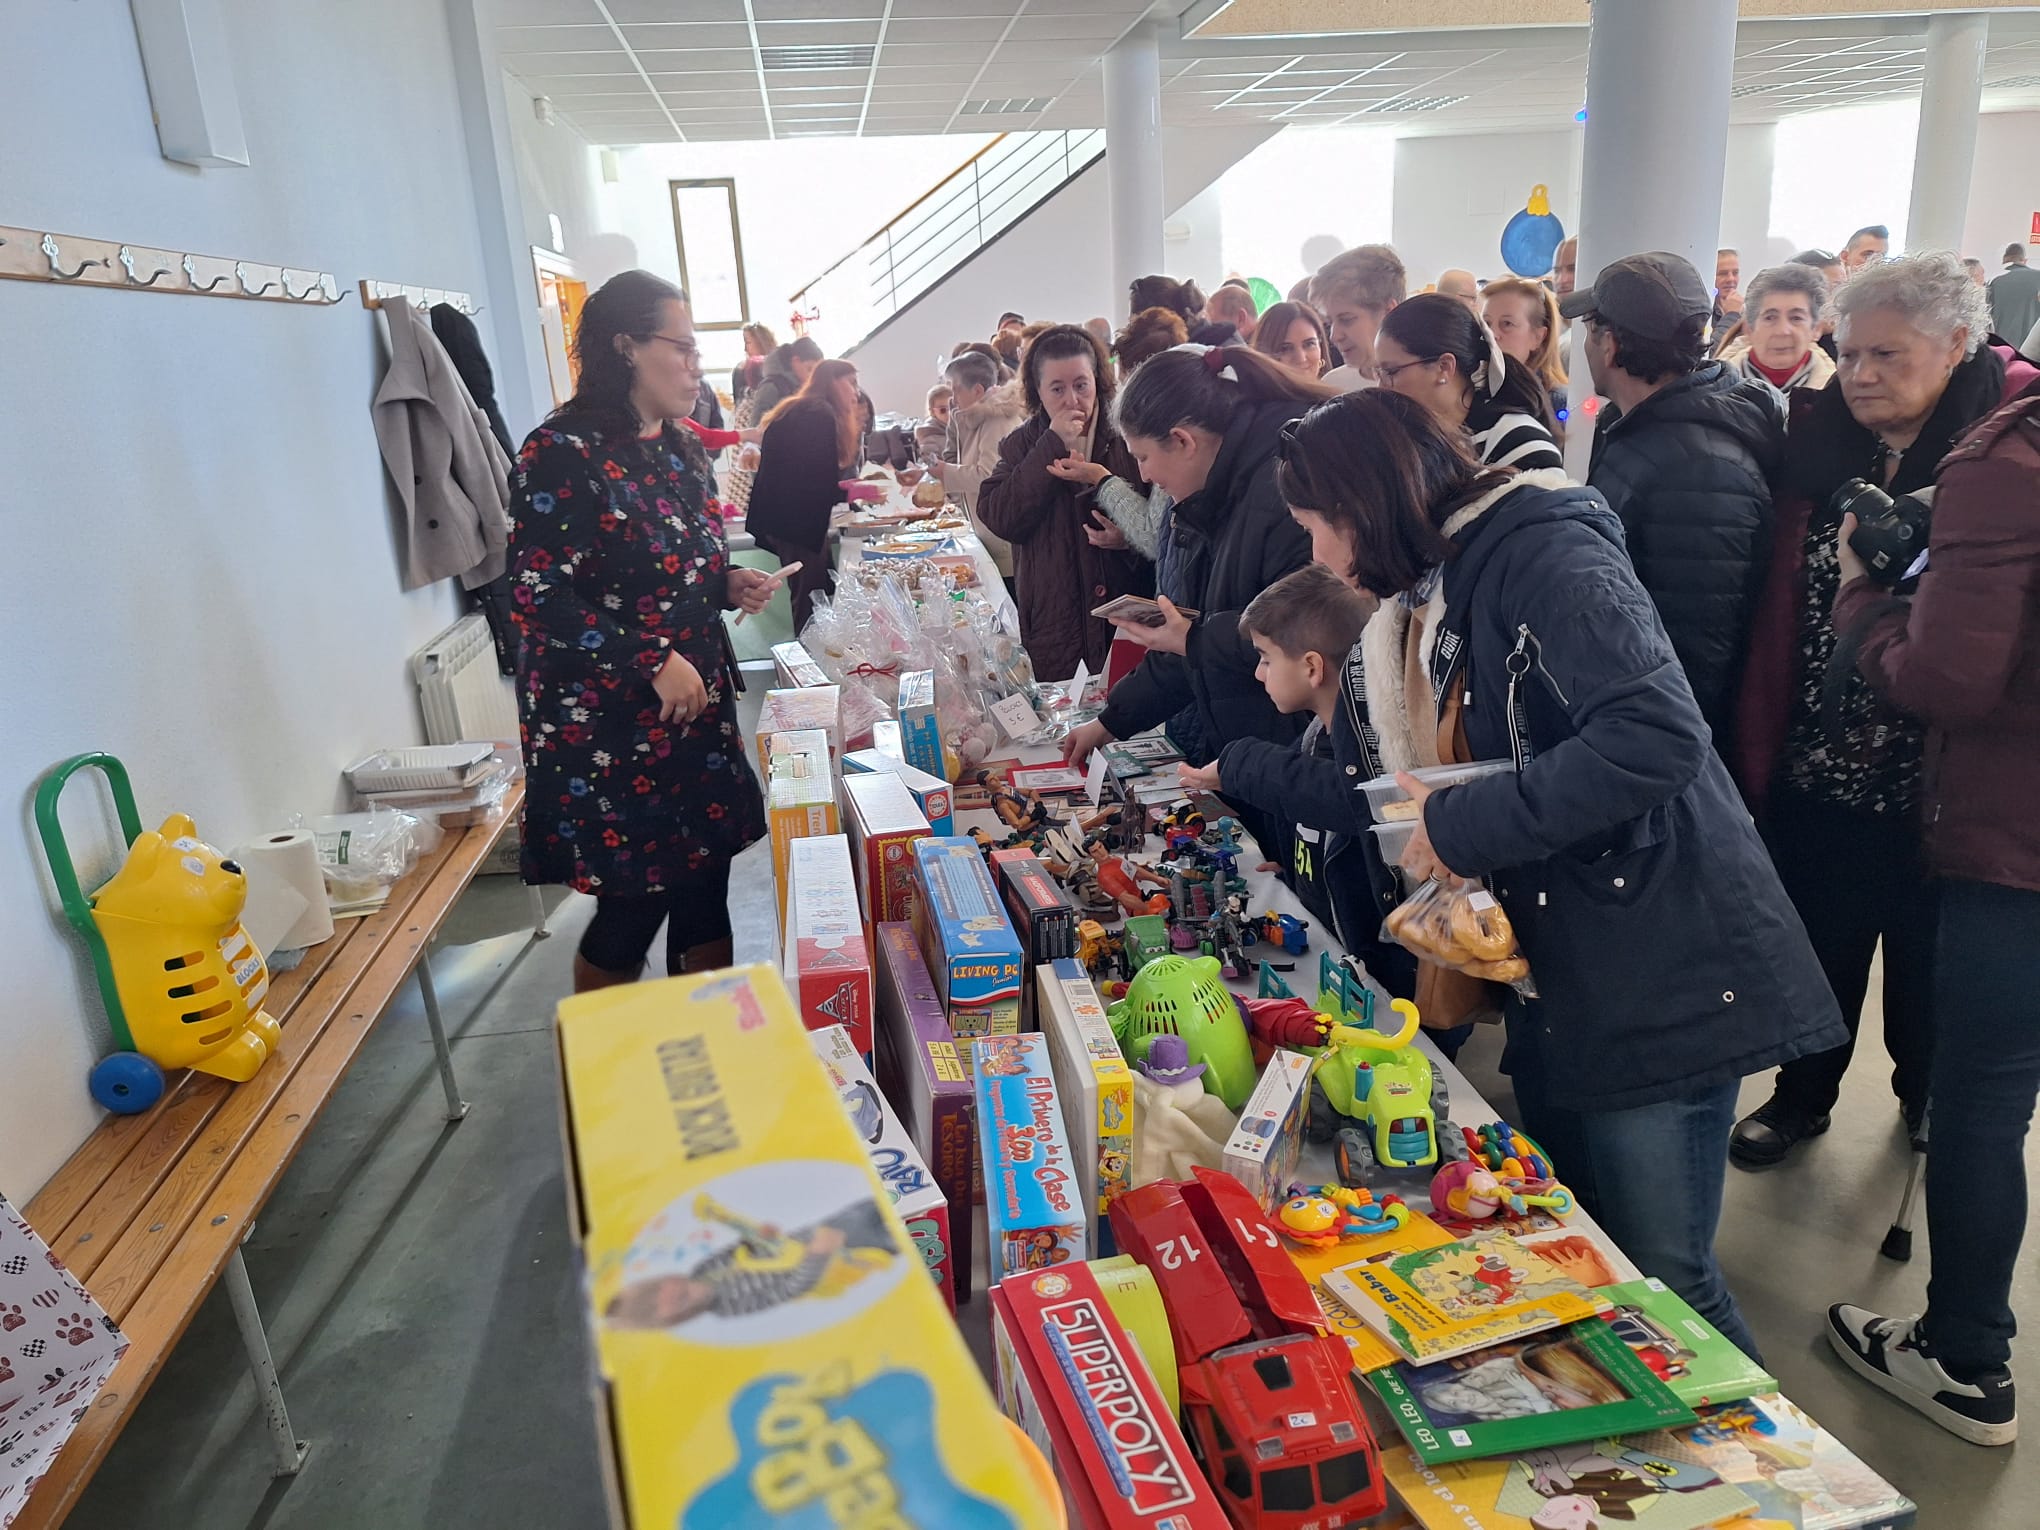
x=923 y=1075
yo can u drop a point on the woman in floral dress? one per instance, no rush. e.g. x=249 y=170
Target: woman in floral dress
x=638 y=788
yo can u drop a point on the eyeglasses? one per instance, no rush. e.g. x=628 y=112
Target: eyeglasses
x=1389 y=374
x=686 y=348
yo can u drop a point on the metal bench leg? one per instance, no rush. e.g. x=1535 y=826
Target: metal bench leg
x=287 y=1449
x=538 y=929
x=456 y=1107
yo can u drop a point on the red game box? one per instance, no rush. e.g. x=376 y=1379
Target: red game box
x=1069 y=1375
x=826 y=963
x=883 y=820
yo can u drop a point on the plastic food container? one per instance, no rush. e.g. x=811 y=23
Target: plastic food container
x=420 y=768
x=1383 y=791
x=1392 y=838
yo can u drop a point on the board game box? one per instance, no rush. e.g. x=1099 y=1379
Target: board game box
x=933 y=795
x=825 y=960
x=1094 y=1084
x=883 y=821
x=967 y=940
x=756 y=1305
x=1035 y=1211
x=1267 y=1145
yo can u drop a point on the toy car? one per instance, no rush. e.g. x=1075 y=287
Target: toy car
x=1269 y=1401
x=1287 y=931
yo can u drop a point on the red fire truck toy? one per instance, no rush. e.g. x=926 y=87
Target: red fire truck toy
x=1271 y=1402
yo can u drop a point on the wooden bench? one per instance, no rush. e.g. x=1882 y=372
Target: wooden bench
x=152 y=1210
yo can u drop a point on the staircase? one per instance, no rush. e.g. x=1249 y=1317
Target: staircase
x=944 y=227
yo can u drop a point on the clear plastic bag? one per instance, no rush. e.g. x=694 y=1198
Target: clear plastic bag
x=1460 y=925
x=361 y=853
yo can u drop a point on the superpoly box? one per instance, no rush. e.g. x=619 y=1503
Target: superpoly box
x=796 y=710
x=966 y=939
x=795 y=668
x=922 y=1073
x=1093 y=1083
x=800 y=799
x=1263 y=1150
x=1035 y=1192
x=883 y=821
x=920 y=731
x=1072 y=1378
x=933 y=794
x=825 y=960
x=915 y=1196
x=757 y=1307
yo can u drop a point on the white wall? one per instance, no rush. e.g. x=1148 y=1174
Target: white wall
x=556 y=173
x=2004 y=191
x=1454 y=196
x=1325 y=189
x=205 y=581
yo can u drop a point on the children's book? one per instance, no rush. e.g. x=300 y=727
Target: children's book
x=1683 y=1350
x=1608 y=1485
x=1370 y=1350
x=1554 y=1388
x=1435 y=1303
x=1589 y=1256
x=1802 y=1477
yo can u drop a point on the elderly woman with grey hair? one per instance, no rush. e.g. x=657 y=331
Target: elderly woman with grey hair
x=1780 y=330
x=1832 y=770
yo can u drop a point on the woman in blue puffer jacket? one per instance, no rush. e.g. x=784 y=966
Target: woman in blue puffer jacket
x=1668 y=961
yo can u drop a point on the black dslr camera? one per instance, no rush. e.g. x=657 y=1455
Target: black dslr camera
x=1890 y=533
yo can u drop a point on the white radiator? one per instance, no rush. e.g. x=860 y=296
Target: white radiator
x=463 y=694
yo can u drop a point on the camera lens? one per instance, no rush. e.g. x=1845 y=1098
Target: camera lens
x=1861 y=499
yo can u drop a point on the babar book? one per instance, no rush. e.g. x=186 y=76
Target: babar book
x=769 y=1350
x=1604 y=1485
x=1037 y=1198
x=1553 y=1388
x=1435 y=1303
x=1370 y=1350
x=1682 y=1348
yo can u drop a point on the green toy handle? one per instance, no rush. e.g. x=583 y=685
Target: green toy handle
x=77 y=906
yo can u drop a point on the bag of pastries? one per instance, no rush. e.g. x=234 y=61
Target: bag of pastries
x=1461 y=926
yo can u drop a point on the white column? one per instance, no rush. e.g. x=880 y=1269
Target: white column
x=1133 y=157
x=1658 y=79
x=1950 y=97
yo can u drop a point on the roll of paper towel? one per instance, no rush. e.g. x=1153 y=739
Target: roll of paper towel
x=286 y=888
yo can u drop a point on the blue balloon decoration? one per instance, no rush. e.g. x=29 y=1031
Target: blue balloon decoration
x=1531 y=240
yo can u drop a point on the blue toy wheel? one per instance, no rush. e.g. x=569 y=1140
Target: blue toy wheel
x=126 y=1083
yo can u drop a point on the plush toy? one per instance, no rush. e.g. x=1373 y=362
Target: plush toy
x=1177 y=1124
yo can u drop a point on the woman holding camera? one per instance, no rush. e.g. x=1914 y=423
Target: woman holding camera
x=1832 y=770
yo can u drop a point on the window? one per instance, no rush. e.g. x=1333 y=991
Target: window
x=1343 y=1476
x=1237 y=1482
x=711 y=248
x=1274 y=1372
x=1286 y=1487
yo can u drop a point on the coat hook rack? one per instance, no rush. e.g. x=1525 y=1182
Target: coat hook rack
x=38 y=255
x=373 y=293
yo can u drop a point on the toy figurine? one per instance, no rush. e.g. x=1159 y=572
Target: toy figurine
x=1321 y=1215
x=1182 y=827
x=1103 y=955
x=1121 y=881
x=1017 y=810
x=1229 y=938
x=1177 y=1122
x=1474 y=1193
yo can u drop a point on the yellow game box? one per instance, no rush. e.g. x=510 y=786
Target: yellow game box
x=769 y=1354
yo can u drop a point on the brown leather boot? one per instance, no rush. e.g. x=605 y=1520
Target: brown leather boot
x=588 y=977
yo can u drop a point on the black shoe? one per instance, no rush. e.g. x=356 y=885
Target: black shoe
x=1764 y=1136
x=1893 y=1354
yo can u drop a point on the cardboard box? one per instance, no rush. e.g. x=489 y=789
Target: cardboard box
x=705 y=1146
x=825 y=961
x=883 y=821
x=1263 y=1150
x=1043 y=916
x=935 y=796
x=922 y=1073
x=1035 y=1193
x=920 y=730
x=797 y=710
x=1071 y=1377
x=885 y=738
x=966 y=939
x=795 y=667
x=1093 y=1083
x=800 y=800
x=915 y=1197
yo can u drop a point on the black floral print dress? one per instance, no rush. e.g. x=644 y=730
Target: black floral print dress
x=617 y=555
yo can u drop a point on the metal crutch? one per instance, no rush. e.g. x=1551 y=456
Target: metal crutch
x=1898 y=1239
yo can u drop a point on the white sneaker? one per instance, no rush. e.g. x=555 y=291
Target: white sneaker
x=1892 y=1353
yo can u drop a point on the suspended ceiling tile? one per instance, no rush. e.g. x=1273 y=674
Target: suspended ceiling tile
x=818 y=34
x=554 y=39
x=689 y=37
x=542 y=13
x=818 y=10
x=948 y=30
x=580 y=61
x=628 y=11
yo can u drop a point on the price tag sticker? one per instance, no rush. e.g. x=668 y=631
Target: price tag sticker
x=1019 y=719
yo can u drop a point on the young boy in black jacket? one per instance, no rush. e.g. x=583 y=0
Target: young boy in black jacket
x=1303 y=626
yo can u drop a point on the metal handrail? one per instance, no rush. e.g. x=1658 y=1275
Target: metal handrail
x=960 y=213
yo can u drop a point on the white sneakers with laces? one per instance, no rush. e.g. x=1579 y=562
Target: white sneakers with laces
x=1893 y=1354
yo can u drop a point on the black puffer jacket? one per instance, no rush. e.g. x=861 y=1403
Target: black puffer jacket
x=1689 y=472
x=1230 y=540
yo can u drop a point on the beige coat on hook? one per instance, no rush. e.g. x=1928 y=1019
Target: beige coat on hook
x=451 y=477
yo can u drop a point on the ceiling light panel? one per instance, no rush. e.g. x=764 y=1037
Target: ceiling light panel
x=793 y=60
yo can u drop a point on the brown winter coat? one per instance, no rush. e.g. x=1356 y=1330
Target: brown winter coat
x=978 y=429
x=1964 y=654
x=1059 y=575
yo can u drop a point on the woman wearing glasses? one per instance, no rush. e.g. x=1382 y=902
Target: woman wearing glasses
x=1432 y=349
x=813 y=442
x=638 y=790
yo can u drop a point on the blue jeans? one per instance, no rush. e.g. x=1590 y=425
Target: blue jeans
x=1652 y=1177
x=1986 y=1073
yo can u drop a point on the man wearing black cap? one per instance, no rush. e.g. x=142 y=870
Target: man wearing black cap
x=1684 y=457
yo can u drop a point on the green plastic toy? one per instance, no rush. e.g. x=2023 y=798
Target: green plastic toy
x=1147 y=937
x=1182 y=996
